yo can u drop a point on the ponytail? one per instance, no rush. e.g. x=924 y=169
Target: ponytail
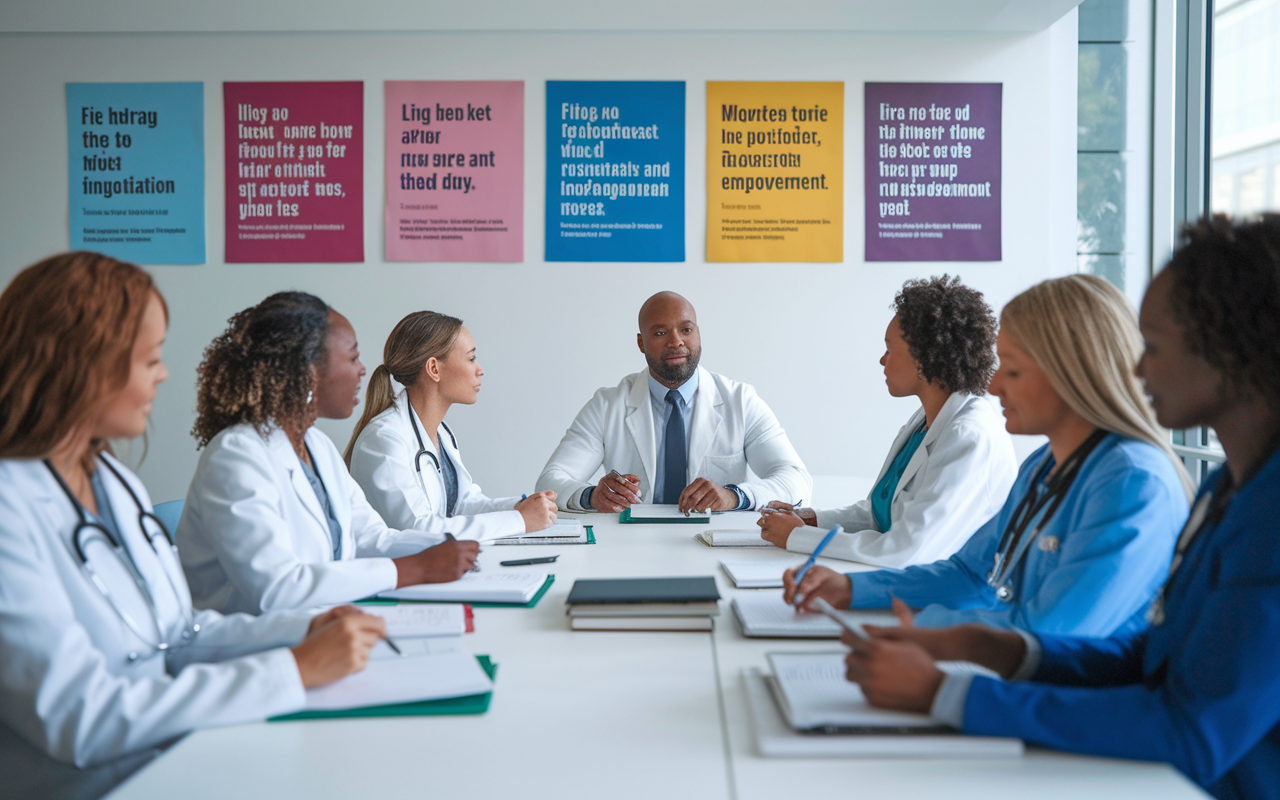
x=414 y=340
x=377 y=398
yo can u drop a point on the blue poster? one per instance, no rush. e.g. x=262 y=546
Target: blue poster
x=615 y=171
x=135 y=158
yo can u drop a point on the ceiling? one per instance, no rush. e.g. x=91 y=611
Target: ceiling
x=121 y=16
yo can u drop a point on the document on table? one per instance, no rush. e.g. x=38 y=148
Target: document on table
x=735 y=538
x=765 y=614
x=413 y=619
x=765 y=574
x=476 y=587
x=813 y=694
x=562 y=531
x=408 y=679
x=664 y=511
x=775 y=737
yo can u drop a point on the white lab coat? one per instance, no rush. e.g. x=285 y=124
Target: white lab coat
x=957 y=479
x=733 y=438
x=254 y=538
x=382 y=462
x=77 y=717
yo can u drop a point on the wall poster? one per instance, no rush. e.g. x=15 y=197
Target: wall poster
x=294 y=171
x=933 y=171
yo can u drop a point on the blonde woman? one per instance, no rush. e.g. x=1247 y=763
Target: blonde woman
x=1085 y=538
x=406 y=458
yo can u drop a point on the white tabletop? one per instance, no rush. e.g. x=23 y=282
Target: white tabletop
x=597 y=714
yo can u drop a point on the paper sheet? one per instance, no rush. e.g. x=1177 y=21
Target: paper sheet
x=756 y=574
x=407 y=679
x=734 y=538
x=656 y=511
x=421 y=620
x=477 y=587
x=764 y=614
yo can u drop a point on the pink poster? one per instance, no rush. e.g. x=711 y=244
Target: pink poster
x=455 y=170
x=295 y=171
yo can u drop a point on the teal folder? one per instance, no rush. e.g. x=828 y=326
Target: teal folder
x=472 y=704
x=386 y=601
x=626 y=519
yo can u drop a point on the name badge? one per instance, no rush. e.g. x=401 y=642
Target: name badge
x=1048 y=544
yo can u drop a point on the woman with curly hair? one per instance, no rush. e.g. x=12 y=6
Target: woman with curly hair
x=1085 y=536
x=273 y=520
x=105 y=661
x=950 y=467
x=1199 y=688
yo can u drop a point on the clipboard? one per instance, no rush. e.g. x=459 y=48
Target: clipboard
x=450 y=706
x=385 y=601
x=625 y=518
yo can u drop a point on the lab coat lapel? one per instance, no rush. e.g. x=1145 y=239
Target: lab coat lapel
x=921 y=455
x=640 y=426
x=282 y=451
x=327 y=468
x=918 y=458
x=705 y=421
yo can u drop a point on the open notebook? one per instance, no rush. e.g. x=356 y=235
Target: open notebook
x=764 y=614
x=885 y=737
x=419 y=619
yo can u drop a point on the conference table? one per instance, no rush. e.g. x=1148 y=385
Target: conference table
x=591 y=714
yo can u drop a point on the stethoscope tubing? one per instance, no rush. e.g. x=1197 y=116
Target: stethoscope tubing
x=78 y=537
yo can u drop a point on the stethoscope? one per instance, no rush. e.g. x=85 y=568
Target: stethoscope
x=1013 y=545
x=422 y=446
x=423 y=451
x=87 y=529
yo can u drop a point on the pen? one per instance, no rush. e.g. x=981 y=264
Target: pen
x=524 y=562
x=823 y=607
x=392 y=645
x=795 y=509
x=826 y=540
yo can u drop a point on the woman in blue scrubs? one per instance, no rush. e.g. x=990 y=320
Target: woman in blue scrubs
x=1083 y=540
x=1200 y=688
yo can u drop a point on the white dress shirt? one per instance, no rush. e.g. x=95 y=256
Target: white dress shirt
x=733 y=438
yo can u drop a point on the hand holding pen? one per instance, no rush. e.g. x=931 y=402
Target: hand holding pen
x=615 y=492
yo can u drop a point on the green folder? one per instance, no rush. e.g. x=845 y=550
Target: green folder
x=625 y=519
x=387 y=601
x=472 y=704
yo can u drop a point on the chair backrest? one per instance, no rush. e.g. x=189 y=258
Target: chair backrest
x=169 y=513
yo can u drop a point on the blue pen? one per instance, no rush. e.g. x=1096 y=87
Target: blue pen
x=826 y=540
x=524 y=497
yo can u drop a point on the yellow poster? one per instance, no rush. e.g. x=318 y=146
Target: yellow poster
x=775 y=171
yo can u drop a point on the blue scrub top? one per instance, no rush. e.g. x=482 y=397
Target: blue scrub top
x=882 y=495
x=1200 y=691
x=1094 y=569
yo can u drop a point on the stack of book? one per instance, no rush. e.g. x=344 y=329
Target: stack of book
x=643 y=604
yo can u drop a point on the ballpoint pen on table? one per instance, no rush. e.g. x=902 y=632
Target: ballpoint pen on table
x=826 y=540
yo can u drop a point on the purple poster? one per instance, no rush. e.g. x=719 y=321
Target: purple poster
x=933 y=171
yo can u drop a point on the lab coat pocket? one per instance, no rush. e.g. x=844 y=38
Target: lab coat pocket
x=723 y=469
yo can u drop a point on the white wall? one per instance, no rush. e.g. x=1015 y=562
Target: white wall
x=808 y=336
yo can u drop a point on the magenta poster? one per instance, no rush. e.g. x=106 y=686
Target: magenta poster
x=455 y=170
x=932 y=171
x=295 y=171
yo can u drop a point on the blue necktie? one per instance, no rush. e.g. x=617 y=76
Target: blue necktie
x=674 y=458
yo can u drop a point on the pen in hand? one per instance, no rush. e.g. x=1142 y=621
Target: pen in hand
x=813 y=557
x=392 y=645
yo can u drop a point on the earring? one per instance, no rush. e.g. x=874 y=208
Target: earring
x=310 y=394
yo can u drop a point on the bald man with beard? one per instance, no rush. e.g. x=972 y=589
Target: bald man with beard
x=675 y=434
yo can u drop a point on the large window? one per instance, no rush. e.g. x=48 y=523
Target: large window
x=1242 y=146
